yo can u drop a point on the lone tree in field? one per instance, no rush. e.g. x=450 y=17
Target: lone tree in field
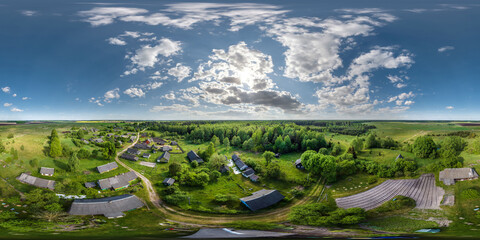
x=174 y=169
x=424 y=147
x=109 y=150
x=55 y=145
x=268 y=156
x=73 y=163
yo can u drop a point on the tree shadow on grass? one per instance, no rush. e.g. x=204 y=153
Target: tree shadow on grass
x=60 y=164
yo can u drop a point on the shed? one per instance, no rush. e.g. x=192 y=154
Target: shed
x=298 y=164
x=168 y=181
x=129 y=157
x=193 y=156
x=239 y=163
x=248 y=172
x=254 y=178
x=399 y=157
x=164 y=158
x=90 y=184
x=173 y=143
x=450 y=175
x=262 y=199
x=47 y=171
x=37 y=182
x=133 y=151
x=110 y=207
x=166 y=148
x=223 y=169
x=107 y=167
x=146 y=155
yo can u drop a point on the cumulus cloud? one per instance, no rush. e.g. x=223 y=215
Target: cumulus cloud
x=397 y=81
x=110 y=95
x=14 y=109
x=14 y=95
x=401 y=97
x=116 y=41
x=173 y=108
x=238 y=78
x=148 y=56
x=134 y=92
x=106 y=15
x=180 y=72
x=445 y=48
x=96 y=101
x=169 y=96
x=7 y=104
x=6 y=89
x=25 y=98
x=449 y=107
x=29 y=13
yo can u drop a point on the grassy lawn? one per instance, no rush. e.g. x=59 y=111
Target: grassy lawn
x=400 y=224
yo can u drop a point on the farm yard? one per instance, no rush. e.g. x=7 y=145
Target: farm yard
x=344 y=167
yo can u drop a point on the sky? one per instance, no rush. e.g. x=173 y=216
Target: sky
x=189 y=60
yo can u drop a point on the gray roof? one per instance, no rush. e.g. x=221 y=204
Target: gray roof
x=262 y=199
x=223 y=169
x=458 y=173
x=47 y=171
x=168 y=181
x=146 y=155
x=110 y=207
x=164 y=158
x=167 y=148
x=133 y=151
x=90 y=184
x=174 y=143
x=240 y=164
x=254 y=177
x=298 y=161
x=399 y=156
x=107 y=167
x=119 y=181
x=129 y=157
x=193 y=156
x=142 y=146
x=235 y=157
x=38 y=182
x=248 y=172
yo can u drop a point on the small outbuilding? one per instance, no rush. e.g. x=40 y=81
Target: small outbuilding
x=166 y=148
x=298 y=164
x=262 y=199
x=223 y=169
x=146 y=155
x=107 y=167
x=110 y=207
x=254 y=178
x=193 y=156
x=164 y=158
x=90 y=184
x=399 y=157
x=248 y=172
x=450 y=175
x=168 y=181
x=47 y=171
x=133 y=151
x=129 y=157
x=37 y=182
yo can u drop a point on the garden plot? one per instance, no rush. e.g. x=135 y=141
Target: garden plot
x=423 y=190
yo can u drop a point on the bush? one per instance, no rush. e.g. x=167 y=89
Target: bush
x=225 y=198
x=319 y=214
x=372 y=179
x=470 y=193
x=397 y=203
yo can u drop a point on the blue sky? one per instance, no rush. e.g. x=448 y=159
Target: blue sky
x=239 y=60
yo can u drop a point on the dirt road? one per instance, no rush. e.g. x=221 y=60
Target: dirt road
x=198 y=219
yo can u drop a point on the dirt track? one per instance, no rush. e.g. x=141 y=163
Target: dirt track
x=199 y=220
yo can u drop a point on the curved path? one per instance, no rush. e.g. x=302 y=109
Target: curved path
x=179 y=216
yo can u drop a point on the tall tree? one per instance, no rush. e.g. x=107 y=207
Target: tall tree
x=268 y=157
x=73 y=163
x=55 y=145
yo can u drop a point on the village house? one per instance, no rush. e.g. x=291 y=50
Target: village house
x=146 y=155
x=450 y=175
x=133 y=151
x=262 y=199
x=239 y=163
x=168 y=181
x=107 y=167
x=143 y=146
x=193 y=156
x=159 y=140
x=110 y=207
x=166 y=148
x=47 y=171
x=37 y=182
x=117 y=182
x=129 y=157
x=164 y=158
x=298 y=164
x=248 y=172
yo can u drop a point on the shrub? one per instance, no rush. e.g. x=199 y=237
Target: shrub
x=470 y=193
x=397 y=203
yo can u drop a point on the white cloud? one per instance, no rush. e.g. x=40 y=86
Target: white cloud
x=29 y=13
x=173 y=108
x=14 y=95
x=409 y=102
x=147 y=56
x=6 y=89
x=106 y=15
x=169 y=96
x=402 y=97
x=154 y=85
x=449 y=107
x=7 y=104
x=134 y=92
x=446 y=48
x=110 y=95
x=25 y=98
x=96 y=101
x=180 y=72
x=14 y=109
x=116 y=41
